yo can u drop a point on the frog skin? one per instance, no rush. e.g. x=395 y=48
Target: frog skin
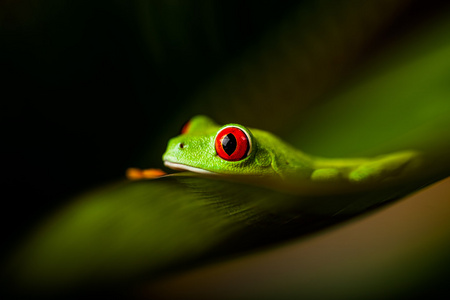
x=231 y=150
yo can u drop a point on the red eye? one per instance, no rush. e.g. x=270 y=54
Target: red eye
x=232 y=144
x=186 y=127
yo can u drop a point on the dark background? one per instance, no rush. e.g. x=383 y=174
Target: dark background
x=87 y=86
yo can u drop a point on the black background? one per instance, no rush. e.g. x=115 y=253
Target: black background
x=84 y=90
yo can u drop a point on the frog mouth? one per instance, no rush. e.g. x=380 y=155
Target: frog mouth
x=181 y=167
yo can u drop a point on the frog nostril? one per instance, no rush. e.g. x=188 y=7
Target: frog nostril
x=181 y=145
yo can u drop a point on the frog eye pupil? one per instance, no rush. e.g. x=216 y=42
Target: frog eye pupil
x=229 y=143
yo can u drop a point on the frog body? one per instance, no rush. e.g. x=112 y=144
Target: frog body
x=208 y=148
